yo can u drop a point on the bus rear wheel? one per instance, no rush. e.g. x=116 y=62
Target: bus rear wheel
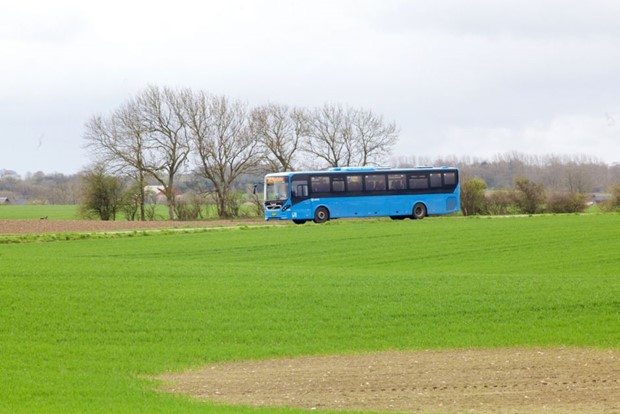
x=299 y=221
x=321 y=215
x=419 y=211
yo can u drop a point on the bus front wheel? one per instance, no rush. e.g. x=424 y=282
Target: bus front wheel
x=299 y=221
x=419 y=211
x=321 y=215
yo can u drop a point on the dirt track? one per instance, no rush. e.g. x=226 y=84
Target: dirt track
x=61 y=226
x=472 y=381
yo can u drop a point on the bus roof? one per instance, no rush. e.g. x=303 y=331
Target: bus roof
x=362 y=169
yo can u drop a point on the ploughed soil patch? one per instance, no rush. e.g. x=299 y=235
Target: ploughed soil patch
x=566 y=380
x=10 y=226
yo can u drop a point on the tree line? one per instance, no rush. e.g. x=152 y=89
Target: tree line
x=515 y=183
x=507 y=184
x=528 y=197
x=577 y=173
x=163 y=132
x=40 y=188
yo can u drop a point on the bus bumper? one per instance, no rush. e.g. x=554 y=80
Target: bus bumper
x=277 y=215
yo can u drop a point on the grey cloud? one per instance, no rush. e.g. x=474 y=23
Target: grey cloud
x=528 y=19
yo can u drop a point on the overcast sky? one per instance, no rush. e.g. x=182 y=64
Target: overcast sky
x=475 y=78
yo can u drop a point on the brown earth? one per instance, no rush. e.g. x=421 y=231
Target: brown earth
x=566 y=380
x=86 y=226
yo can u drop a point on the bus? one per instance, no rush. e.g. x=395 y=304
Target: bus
x=348 y=192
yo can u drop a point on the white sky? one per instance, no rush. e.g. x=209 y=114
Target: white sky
x=460 y=78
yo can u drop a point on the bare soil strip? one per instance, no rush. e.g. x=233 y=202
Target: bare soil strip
x=566 y=380
x=13 y=226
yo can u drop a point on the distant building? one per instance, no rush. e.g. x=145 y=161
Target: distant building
x=5 y=200
x=156 y=194
x=597 y=198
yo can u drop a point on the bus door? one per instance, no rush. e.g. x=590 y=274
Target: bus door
x=338 y=203
x=302 y=206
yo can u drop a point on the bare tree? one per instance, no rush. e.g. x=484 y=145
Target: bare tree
x=121 y=142
x=343 y=137
x=223 y=144
x=327 y=135
x=134 y=151
x=280 y=131
x=161 y=112
x=579 y=177
x=371 y=138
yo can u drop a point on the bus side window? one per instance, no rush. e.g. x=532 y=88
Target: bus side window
x=396 y=181
x=435 y=180
x=354 y=183
x=338 y=185
x=320 y=184
x=449 y=178
x=418 y=182
x=375 y=182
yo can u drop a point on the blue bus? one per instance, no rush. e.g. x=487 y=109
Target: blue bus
x=346 y=192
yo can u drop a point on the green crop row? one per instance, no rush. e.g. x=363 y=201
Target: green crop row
x=83 y=322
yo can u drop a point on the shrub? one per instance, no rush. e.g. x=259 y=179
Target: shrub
x=566 y=203
x=472 y=196
x=130 y=203
x=531 y=196
x=613 y=204
x=189 y=207
x=501 y=202
x=101 y=194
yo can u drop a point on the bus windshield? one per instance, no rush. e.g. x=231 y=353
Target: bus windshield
x=276 y=189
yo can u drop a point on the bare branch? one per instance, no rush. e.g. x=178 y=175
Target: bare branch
x=280 y=131
x=224 y=146
x=161 y=112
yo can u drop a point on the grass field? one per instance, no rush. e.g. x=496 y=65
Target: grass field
x=36 y=211
x=83 y=321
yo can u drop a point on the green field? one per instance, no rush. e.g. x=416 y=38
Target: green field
x=58 y=212
x=83 y=321
x=37 y=211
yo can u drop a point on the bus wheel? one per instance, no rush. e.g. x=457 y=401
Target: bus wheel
x=299 y=221
x=397 y=217
x=419 y=211
x=321 y=215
